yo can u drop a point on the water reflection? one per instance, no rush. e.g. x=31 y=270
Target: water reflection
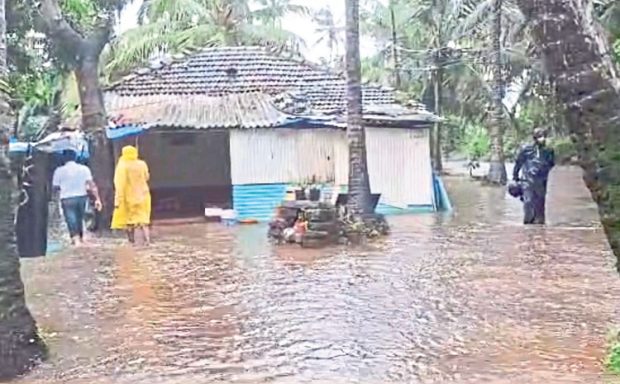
x=471 y=297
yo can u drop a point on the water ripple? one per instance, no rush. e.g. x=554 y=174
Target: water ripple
x=469 y=298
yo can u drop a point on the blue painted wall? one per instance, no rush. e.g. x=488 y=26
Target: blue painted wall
x=442 y=200
x=257 y=201
x=388 y=210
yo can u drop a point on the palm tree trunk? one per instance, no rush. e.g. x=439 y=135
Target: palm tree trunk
x=20 y=346
x=397 y=81
x=497 y=168
x=438 y=93
x=359 y=182
x=576 y=56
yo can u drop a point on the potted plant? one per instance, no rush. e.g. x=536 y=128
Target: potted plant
x=314 y=193
x=300 y=193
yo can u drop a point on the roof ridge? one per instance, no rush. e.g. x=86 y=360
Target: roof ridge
x=279 y=52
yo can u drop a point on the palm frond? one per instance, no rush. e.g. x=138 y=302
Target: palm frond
x=138 y=45
x=5 y=87
x=270 y=35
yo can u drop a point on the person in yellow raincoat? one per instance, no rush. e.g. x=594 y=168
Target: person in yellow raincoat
x=132 y=197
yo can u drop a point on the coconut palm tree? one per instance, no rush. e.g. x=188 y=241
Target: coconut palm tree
x=574 y=48
x=330 y=32
x=442 y=47
x=175 y=26
x=359 y=182
x=497 y=168
x=271 y=12
x=20 y=345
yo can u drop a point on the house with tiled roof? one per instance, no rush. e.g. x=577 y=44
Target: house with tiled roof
x=237 y=126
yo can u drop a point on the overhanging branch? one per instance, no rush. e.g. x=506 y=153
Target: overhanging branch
x=57 y=28
x=101 y=35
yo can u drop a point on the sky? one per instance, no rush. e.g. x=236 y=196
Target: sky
x=302 y=26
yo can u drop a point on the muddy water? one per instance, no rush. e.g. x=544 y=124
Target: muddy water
x=474 y=297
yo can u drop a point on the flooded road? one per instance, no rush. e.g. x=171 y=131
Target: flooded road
x=473 y=297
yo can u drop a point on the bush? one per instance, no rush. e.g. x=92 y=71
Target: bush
x=564 y=149
x=613 y=359
x=476 y=143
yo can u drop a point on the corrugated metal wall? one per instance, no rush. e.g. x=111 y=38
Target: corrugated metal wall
x=268 y=156
x=264 y=162
x=257 y=201
x=341 y=151
x=399 y=165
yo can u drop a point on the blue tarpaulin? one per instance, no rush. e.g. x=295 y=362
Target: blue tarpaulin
x=56 y=142
x=122 y=131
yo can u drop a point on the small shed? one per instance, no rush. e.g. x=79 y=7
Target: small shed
x=234 y=127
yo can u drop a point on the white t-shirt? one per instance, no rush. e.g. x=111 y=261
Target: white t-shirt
x=71 y=178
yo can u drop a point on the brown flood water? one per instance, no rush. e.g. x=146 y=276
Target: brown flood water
x=470 y=298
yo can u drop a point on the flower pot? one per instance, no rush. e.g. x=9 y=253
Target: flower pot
x=315 y=194
x=300 y=194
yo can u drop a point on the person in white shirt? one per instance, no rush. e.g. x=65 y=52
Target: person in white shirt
x=74 y=182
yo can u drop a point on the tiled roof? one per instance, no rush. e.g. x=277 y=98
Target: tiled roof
x=225 y=70
x=241 y=110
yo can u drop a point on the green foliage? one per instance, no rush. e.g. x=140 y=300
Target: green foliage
x=29 y=124
x=532 y=114
x=85 y=15
x=178 y=26
x=80 y=10
x=476 y=143
x=613 y=358
x=37 y=95
x=37 y=89
x=330 y=32
x=271 y=12
x=5 y=86
x=564 y=149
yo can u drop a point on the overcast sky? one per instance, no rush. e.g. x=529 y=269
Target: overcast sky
x=302 y=26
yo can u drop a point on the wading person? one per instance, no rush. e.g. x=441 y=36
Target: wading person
x=74 y=183
x=534 y=162
x=132 y=198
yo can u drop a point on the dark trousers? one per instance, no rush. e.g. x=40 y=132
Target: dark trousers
x=73 y=209
x=534 y=204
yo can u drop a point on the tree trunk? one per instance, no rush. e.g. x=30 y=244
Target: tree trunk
x=359 y=182
x=102 y=165
x=576 y=56
x=436 y=135
x=94 y=121
x=397 y=81
x=20 y=346
x=497 y=168
x=91 y=99
x=32 y=218
x=82 y=54
x=3 y=35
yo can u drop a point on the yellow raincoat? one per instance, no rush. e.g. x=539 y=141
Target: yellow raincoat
x=132 y=198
